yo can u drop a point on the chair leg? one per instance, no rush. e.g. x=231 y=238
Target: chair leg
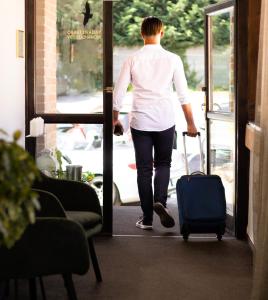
x=16 y=287
x=68 y=282
x=43 y=292
x=32 y=289
x=3 y=289
x=94 y=260
x=7 y=289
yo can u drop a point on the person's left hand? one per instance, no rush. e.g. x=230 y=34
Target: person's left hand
x=191 y=130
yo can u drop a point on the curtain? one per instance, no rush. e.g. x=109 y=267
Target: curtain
x=260 y=167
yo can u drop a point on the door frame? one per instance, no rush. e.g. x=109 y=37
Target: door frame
x=241 y=109
x=105 y=118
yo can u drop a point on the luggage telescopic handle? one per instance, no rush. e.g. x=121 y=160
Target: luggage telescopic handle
x=184 y=133
x=202 y=159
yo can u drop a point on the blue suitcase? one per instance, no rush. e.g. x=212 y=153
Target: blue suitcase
x=201 y=201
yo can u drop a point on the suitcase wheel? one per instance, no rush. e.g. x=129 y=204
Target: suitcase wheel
x=185 y=237
x=219 y=237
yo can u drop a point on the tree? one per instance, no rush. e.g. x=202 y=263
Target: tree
x=183 y=19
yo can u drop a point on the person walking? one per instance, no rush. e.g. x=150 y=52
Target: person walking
x=152 y=71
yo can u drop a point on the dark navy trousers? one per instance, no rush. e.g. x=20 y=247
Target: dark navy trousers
x=153 y=149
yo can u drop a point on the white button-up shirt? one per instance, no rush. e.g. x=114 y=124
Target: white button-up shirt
x=152 y=71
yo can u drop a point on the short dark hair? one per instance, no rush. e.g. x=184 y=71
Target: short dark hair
x=151 y=26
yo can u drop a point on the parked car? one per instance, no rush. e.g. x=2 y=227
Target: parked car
x=83 y=151
x=83 y=145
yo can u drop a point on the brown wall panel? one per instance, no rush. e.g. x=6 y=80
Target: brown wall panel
x=254 y=12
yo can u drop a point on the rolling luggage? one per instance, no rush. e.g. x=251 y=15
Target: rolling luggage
x=201 y=200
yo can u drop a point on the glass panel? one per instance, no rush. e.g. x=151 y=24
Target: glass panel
x=222 y=158
x=69 y=56
x=66 y=146
x=222 y=62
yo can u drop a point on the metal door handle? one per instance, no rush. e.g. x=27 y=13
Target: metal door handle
x=108 y=89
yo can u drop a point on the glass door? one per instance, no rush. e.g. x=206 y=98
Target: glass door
x=221 y=99
x=69 y=85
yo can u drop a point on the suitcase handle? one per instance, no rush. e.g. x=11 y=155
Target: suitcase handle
x=197 y=173
x=202 y=159
x=184 y=133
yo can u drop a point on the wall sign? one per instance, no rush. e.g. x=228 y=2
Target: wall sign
x=84 y=34
x=20 y=44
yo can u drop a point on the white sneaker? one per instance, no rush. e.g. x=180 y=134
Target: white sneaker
x=143 y=226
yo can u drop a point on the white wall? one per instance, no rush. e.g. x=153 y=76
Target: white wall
x=12 y=69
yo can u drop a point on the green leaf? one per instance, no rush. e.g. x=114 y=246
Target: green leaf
x=16 y=135
x=17 y=201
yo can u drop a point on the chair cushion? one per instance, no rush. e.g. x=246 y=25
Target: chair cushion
x=87 y=219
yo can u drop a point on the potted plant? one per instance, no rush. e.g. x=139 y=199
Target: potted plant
x=17 y=200
x=88 y=176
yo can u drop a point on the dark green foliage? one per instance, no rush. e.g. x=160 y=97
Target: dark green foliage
x=184 y=28
x=17 y=201
x=183 y=20
x=221 y=30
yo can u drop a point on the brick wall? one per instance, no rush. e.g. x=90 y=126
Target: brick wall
x=46 y=63
x=46 y=66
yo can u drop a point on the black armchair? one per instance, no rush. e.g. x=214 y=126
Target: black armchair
x=53 y=245
x=81 y=204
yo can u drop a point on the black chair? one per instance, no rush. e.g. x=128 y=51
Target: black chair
x=81 y=204
x=53 y=245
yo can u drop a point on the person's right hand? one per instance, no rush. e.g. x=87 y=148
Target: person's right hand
x=191 y=130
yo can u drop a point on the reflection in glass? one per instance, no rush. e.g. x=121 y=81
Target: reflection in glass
x=72 y=144
x=222 y=158
x=69 y=57
x=222 y=61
